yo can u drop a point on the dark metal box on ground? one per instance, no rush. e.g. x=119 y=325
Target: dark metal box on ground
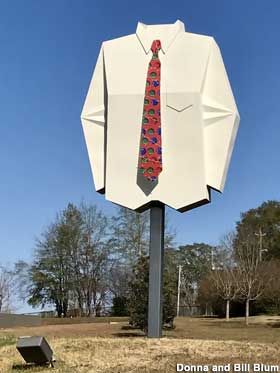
x=35 y=350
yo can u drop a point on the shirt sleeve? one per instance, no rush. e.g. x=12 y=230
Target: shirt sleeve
x=94 y=123
x=221 y=119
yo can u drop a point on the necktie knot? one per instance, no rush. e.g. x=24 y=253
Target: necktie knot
x=156 y=46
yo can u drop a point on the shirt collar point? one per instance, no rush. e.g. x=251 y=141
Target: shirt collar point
x=142 y=29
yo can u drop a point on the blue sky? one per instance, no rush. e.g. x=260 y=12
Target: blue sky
x=48 y=51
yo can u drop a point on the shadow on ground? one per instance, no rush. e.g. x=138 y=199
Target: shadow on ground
x=130 y=331
x=128 y=335
x=27 y=367
x=274 y=325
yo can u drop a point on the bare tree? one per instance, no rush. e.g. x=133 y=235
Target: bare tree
x=119 y=278
x=226 y=285
x=251 y=274
x=195 y=260
x=224 y=275
x=6 y=285
x=69 y=269
x=188 y=292
x=93 y=259
x=130 y=235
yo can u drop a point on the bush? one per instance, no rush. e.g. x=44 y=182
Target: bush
x=138 y=299
x=119 y=307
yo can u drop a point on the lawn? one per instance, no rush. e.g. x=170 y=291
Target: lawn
x=114 y=347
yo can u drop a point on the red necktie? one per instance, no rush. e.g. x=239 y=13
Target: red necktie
x=150 y=150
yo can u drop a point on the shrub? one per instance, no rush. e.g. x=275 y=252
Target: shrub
x=119 y=307
x=138 y=298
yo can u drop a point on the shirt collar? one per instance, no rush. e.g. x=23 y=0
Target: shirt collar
x=165 y=33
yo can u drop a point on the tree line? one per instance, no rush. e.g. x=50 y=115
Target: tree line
x=85 y=261
x=247 y=264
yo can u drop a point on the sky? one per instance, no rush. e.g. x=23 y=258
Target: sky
x=48 y=52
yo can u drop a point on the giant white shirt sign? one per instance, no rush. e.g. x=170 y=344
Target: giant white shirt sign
x=199 y=118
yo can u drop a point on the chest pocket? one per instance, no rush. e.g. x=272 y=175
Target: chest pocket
x=180 y=101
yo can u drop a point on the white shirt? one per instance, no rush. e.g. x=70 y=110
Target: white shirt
x=199 y=118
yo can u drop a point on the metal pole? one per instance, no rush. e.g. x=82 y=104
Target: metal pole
x=156 y=270
x=178 y=291
x=261 y=235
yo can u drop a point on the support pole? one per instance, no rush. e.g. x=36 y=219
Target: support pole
x=156 y=270
x=179 y=290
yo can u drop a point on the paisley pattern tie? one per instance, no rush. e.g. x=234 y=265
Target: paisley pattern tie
x=150 y=160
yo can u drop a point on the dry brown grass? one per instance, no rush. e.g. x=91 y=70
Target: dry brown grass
x=86 y=352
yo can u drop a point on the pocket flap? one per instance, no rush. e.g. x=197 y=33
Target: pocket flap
x=180 y=101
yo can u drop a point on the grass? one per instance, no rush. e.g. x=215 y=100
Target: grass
x=7 y=340
x=84 y=349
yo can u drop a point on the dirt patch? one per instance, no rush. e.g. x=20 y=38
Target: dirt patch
x=82 y=320
x=9 y=320
x=71 y=330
